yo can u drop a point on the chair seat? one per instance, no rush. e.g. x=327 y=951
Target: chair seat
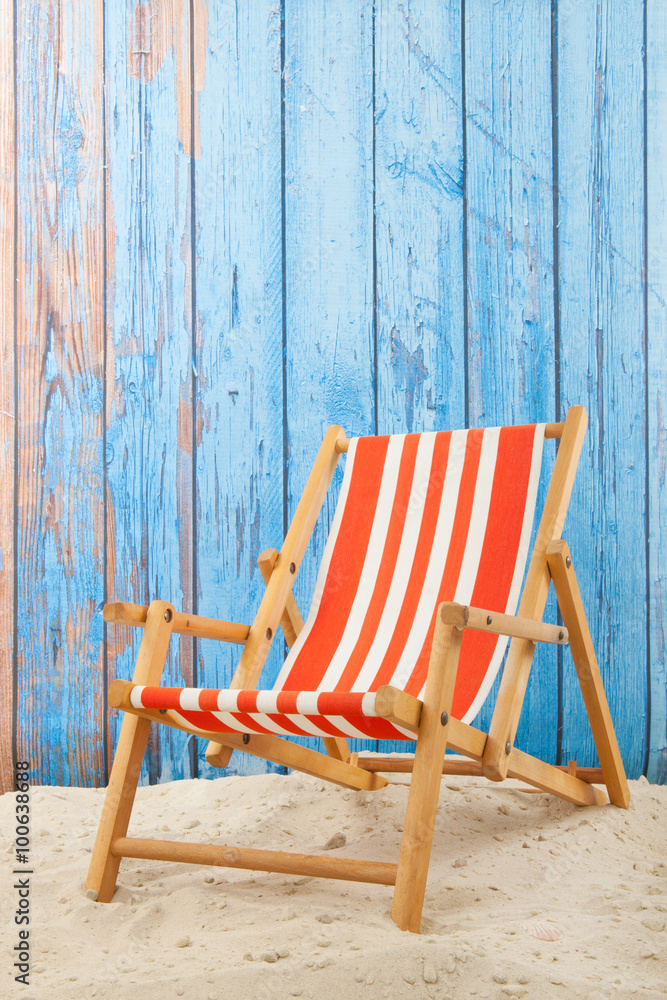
x=283 y=713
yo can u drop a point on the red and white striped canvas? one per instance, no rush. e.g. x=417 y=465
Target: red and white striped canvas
x=421 y=518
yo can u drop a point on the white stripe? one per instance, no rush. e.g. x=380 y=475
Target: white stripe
x=188 y=699
x=306 y=703
x=323 y=570
x=431 y=585
x=368 y=704
x=517 y=578
x=136 y=695
x=423 y=474
x=479 y=516
x=374 y=552
x=266 y=703
x=228 y=701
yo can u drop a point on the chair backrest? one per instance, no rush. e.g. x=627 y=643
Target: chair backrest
x=421 y=518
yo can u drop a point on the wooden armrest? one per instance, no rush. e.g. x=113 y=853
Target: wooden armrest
x=463 y=616
x=398 y=707
x=184 y=624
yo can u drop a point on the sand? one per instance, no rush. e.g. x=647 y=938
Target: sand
x=508 y=870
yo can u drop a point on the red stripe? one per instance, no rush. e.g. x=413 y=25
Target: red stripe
x=346 y=564
x=450 y=574
x=387 y=564
x=157 y=697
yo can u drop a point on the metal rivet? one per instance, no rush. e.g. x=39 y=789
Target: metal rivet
x=561 y=636
x=292 y=568
x=163 y=711
x=246 y=738
x=508 y=748
x=167 y=615
x=269 y=633
x=489 y=619
x=568 y=561
x=444 y=719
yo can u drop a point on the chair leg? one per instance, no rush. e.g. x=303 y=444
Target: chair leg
x=586 y=664
x=119 y=799
x=422 y=805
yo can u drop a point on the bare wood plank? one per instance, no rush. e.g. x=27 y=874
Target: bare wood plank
x=404 y=765
x=554 y=780
x=239 y=335
x=603 y=363
x=317 y=866
x=60 y=343
x=149 y=338
x=128 y=758
x=656 y=373
x=538 y=579
x=588 y=672
x=398 y=706
x=415 y=855
x=491 y=621
x=7 y=406
x=183 y=624
x=267 y=747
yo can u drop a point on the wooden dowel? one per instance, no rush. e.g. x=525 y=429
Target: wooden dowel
x=491 y=621
x=317 y=866
x=550 y=431
x=470 y=768
x=184 y=624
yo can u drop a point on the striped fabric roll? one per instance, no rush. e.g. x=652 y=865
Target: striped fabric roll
x=421 y=518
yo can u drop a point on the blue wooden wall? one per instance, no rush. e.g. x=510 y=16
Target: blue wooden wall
x=226 y=225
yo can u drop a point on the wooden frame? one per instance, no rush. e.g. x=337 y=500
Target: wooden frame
x=493 y=755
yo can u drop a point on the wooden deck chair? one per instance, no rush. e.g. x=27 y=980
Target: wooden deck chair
x=412 y=608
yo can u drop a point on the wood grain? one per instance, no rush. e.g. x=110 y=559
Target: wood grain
x=420 y=378
x=7 y=405
x=239 y=406
x=149 y=357
x=328 y=244
x=60 y=334
x=603 y=365
x=656 y=369
x=509 y=190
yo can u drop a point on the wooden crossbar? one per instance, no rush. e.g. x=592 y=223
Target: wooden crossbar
x=182 y=623
x=315 y=865
x=463 y=616
x=468 y=768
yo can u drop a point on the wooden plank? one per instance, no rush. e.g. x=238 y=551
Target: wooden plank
x=149 y=350
x=588 y=671
x=656 y=369
x=415 y=855
x=60 y=330
x=313 y=865
x=7 y=403
x=511 y=324
x=554 y=780
x=420 y=375
x=602 y=360
x=239 y=284
x=419 y=216
x=127 y=762
x=184 y=624
x=491 y=621
x=328 y=204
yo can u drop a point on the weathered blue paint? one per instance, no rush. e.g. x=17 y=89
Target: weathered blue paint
x=404 y=175
x=149 y=359
x=239 y=416
x=510 y=260
x=60 y=330
x=328 y=241
x=419 y=216
x=601 y=294
x=656 y=373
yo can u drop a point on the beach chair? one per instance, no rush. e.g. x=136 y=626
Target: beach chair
x=410 y=618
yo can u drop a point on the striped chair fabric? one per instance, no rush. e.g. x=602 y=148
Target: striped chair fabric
x=421 y=518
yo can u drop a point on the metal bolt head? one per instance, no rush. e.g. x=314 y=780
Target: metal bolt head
x=568 y=561
x=163 y=711
x=508 y=748
x=269 y=633
x=292 y=568
x=444 y=719
x=167 y=615
x=246 y=738
x=561 y=636
x=489 y=619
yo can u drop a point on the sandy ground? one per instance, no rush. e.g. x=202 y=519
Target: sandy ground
x=508 y=869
